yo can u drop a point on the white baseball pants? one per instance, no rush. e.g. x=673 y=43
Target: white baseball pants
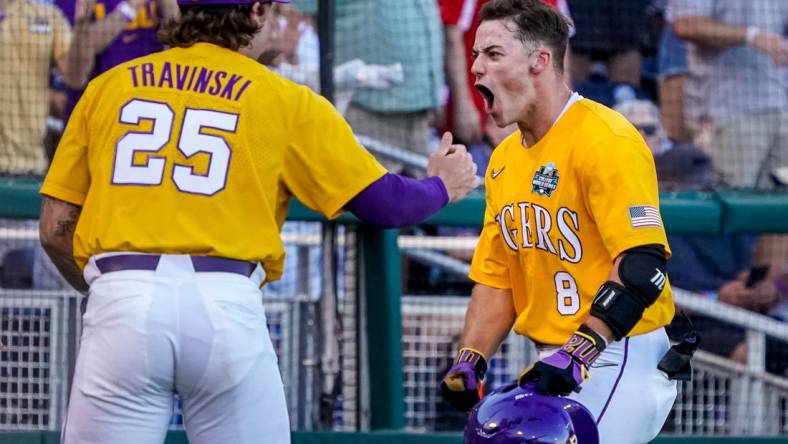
x=150 y=334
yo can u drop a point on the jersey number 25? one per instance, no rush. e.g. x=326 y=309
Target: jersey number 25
x=191 y=140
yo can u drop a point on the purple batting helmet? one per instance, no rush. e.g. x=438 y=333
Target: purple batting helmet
x=226 y=2
x=520 y=415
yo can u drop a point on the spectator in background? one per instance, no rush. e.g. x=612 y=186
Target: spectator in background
x=680 y=166
x=464 y=111
x=110 y=32
x=385 y=32
x=33 y=37
x=672 y=72
x=614 y=32
x=718 y=266
x=295 y=51
x=735 y=57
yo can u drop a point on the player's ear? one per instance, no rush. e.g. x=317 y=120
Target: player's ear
x=540 y=60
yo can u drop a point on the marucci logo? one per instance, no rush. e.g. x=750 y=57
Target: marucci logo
x=659 y=280
x=494 y=174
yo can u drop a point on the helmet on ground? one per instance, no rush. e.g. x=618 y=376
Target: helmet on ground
x=517 y=414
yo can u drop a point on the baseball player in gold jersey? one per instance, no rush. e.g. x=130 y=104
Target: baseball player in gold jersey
x=573 y=250
x=164 y=203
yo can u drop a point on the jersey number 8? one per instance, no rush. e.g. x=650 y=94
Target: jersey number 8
x=566 y=292
x=191 y=140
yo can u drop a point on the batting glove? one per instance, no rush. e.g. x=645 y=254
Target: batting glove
x=460 y=387
x=562 y=372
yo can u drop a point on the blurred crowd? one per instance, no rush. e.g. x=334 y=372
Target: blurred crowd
x=704 y=81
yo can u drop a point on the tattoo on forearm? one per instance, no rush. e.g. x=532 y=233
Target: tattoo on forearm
x=65 y=226
x=59 y=219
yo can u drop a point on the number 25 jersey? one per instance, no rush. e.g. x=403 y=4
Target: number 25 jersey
x=559 y=212
x=197 y=151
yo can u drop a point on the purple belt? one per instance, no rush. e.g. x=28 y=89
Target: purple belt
x=149 y=262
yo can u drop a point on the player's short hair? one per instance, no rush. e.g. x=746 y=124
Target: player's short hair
x=537 y=24
x=227 y=25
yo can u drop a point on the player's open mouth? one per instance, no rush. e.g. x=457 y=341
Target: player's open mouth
x=489 y=97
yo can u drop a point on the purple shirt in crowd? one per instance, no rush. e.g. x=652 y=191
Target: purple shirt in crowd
x=138 y=39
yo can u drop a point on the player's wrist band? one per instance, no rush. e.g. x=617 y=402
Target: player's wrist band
x=752 y=33
x=599 y=341
x=127 y=11
x=585 y=345
x=475 y=358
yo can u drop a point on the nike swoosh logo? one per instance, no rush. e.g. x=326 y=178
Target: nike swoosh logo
x=129 y=38
x=495 y=174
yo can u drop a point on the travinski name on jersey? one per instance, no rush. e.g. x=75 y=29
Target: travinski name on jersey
x=528 y=225
x=197 y=79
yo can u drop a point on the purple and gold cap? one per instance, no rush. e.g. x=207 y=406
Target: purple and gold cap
x=226 y=2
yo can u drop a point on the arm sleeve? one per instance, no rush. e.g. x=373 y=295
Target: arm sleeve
x=490 y=265
x=620 y=184
x=395 y=201
x=324 y=165
x=68 y=178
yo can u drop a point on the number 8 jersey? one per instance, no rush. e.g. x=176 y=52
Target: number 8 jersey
x=168 y=154
x=559 y=212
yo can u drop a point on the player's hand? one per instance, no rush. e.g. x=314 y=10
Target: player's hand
x=460 y=387
x=452 y=163
x=759 y=298
x=562 y=372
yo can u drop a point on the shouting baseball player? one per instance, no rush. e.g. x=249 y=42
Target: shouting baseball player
x=164 y=202
x=572 y=253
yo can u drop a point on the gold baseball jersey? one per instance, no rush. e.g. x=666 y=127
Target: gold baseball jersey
x=558 y=214
x=198 y=151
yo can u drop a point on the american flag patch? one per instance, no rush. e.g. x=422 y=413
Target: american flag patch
x=644 y=216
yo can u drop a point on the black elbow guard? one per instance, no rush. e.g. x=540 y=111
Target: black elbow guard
x=642 y=271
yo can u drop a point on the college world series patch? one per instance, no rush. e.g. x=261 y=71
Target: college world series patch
x=545 y=180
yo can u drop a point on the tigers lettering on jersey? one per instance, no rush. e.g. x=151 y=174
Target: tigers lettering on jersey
x=529 y=225
x=197 y=79
x=559 y=214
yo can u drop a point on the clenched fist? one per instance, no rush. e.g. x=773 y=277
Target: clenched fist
x=454 y=166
